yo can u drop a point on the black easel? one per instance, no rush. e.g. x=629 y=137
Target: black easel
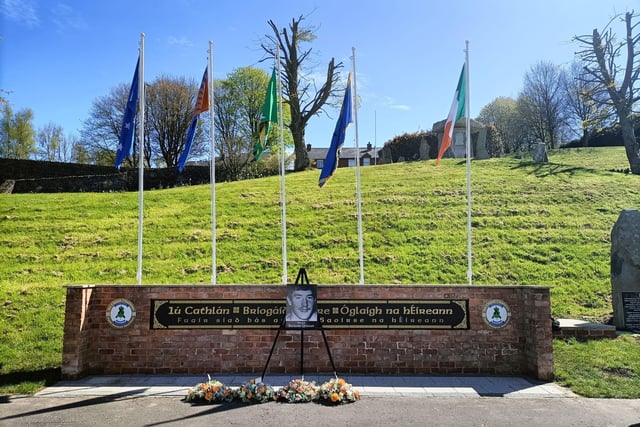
x=301 y=279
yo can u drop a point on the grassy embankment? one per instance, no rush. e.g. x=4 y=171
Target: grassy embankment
x=533 y=224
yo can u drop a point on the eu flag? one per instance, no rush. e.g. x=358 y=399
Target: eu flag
x=125 y=147
x=337 y=141
x=202 y=105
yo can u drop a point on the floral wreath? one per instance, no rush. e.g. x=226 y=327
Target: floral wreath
x=255 y=392
x=333 y=392
x=298 y=391
x=336 y=392
x=213 y=391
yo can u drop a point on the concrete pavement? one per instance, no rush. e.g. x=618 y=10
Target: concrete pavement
x=385 y=400
x=425 y=386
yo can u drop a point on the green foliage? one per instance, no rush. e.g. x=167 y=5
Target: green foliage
x=407 y=146
x=533 y=224
x=17 y=136
x=495 y=145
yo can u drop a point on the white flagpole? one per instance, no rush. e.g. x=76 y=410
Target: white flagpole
x=141 y=157
x=212 y=169
x=283 y=194
x=468 y=137
x=358 y=191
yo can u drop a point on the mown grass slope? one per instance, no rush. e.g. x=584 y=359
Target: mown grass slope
x=533 y=224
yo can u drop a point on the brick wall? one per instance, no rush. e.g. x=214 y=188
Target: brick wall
x=522 y=346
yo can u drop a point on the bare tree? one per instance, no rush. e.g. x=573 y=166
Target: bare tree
x=585 y=105
x=304 y=101
x=541 y=103
x=52 y=145
x=101 y=131
x=169 y=106
x=169 y=110
x=616 y=80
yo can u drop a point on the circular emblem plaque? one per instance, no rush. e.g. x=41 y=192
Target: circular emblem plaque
x=120 y=313
x=496 y=313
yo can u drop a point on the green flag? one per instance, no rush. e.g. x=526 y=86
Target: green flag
x=269 y=114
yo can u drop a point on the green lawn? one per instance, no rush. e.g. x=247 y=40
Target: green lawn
x=533 y=224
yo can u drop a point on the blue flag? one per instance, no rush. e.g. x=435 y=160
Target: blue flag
x=125 y=147
x=202 y=105
x=337 y=141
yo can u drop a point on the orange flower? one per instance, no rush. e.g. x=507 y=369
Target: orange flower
x=261 y=389
x=356 y=393
x=341 y=382
x=335 y=397
x=249 y=395
x=208 y=396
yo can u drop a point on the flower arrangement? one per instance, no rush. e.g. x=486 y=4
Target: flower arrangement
x=255 y=392
x=298 y=391
x=337 y=391
x=213 y=391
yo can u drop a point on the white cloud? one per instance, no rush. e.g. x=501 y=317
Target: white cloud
x=400 y=107
x=65 y=17
x=182 y=41
x=22 y=11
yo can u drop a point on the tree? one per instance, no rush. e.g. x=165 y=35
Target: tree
x=170 y=102
x=17 y=137
x=541 y=103
x=585 y=105
x=237 y=113
x=169 y=106
x=79 y=153
x=52 y=145
x=101 y=131
x=303 y=102
x=614 y=80
x=502 y=113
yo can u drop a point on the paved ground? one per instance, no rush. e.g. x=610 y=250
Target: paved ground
x=386 y=400
x=425 y=386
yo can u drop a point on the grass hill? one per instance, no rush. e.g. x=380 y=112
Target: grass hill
x=533 y=224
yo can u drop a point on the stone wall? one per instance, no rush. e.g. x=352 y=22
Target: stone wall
x=523 y=346
x=30 y=176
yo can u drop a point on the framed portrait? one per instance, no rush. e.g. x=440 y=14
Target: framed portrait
x=302 y=306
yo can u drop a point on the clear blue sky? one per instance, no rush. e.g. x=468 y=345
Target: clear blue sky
x=57 y=57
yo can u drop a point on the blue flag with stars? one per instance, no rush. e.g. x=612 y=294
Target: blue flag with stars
x=125 y=147
x=337 y=141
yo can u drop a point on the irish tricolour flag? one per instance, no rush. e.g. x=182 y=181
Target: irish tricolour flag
x=456 y=112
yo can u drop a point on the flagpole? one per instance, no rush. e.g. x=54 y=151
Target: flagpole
x=358 y=191
x=468 y=138
x=141 y=157
x=283 y=195
x=212 y=169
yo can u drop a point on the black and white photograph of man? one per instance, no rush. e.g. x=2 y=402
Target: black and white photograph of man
x=302 y=307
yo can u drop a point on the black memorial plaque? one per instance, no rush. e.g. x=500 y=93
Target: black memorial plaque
x=332 y=314
x=631 y=310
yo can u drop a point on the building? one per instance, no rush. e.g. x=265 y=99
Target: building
x=368 y=156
